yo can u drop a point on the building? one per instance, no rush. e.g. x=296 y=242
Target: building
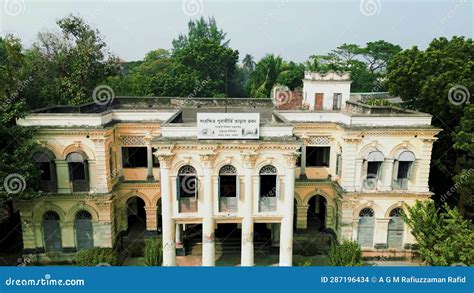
x=330 y=165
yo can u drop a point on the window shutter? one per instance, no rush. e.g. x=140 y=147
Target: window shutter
x=364 y=169
x=277 y=186
x=196 y=187
x=177 y=188
x=410 y=171
x=237 y=187
x=380 y=171
x=395 y=170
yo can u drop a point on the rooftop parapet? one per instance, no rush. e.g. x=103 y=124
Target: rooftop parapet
x=327 y=76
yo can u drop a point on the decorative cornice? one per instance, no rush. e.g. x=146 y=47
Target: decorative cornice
x=208 y=159
x=248 y=159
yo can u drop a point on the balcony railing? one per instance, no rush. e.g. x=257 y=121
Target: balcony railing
x=228 y=204
x=267 y=204
x=188 y=205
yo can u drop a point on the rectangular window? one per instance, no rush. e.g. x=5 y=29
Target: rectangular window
x=317 y=156
x=373 y=169
x=77 y=171
x=268 y=185
x=187 y=186
x=403 y=170
x=336 y=101
x=228 y=186
x=134 y=157
x=45 y=169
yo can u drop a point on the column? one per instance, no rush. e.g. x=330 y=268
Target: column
x=302 y=217
x=98 y=168
x=208 y=225
x=149 y=158
x=387 y=174
x=169 y=245
x=349 y=168
x=286 y=230
x=247 y=249
x=179 y=234
x=62 y=171
x=358 y=174
x=303 y=162
x=151 y=219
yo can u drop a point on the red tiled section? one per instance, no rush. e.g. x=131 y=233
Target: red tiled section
x=288 y=100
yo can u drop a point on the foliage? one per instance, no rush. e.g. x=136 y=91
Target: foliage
x=67 y=66
x=15 y=144
x=347 y=254
x=426 y=81
x=136 y=249
x=377 y=102
x=444 y=236
x=96 y=256
x=153 y=252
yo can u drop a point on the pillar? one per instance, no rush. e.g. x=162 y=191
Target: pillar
x=208 y=225
x=247 y=249
x=179 y=234
x=387 y=167
x=358 y=174
x=303 y=162
x=302 y=217
x=169 y=245
x=149 y=158
x=62 y=171
x=286 y=231
x=151 y=218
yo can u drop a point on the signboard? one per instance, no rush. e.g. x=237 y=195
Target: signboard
x=228 y=125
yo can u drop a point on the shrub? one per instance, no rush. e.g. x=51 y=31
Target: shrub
x=348 y=254
x=153 y=252
x=135 y=249
x=95 y=256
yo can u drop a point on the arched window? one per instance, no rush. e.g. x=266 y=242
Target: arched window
x=365 y=230
x=403 y=169
x=78 y=172
x=269 y=189
x=51 y=232
x=228 y=189
x=395 y=229
x=45 y=163
x=373 y=169
x=187 y=189
x=84 y=230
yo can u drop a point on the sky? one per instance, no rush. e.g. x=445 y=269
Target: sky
x=294 y=29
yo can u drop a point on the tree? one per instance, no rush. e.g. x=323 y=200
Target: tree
x=464 y=180
x=431 y=81
x=66 y=67
x=265 y=75
x=19 y=176
x=443 y=235
x=206 y=53
x=248 y=63
x=378 y=54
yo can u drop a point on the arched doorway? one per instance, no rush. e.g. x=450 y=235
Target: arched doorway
x=136 y=215
x=395 y=229
x=51 y=232
x=84 y=230
x=365 y=230
x=316 y=215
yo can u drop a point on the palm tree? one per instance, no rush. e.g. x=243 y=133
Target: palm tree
x=248 y=63
x=265 y=75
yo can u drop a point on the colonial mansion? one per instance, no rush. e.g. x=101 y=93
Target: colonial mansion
x=211 y=176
